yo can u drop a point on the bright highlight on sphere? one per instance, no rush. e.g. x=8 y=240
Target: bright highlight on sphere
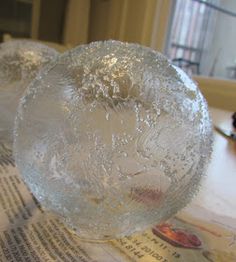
x=112 y=138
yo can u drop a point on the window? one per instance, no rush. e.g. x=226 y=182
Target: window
x=203 y=36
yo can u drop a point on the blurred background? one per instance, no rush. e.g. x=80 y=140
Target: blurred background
x=197 y=35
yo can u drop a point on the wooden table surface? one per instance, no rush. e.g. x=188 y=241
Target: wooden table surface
x=218 y=191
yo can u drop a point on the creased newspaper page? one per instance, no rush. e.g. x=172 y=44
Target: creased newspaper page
x=28 y=233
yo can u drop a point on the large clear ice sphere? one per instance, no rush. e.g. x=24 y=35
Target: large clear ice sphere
x=112 y=138
x=20 y=61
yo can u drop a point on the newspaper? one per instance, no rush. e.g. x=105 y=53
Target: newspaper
x=28 y=233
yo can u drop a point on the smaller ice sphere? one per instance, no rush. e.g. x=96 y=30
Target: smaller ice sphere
x=20 y=61
x=112 y=138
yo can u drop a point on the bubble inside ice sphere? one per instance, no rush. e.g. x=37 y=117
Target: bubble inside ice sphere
x=19 y=63
x=112 y=138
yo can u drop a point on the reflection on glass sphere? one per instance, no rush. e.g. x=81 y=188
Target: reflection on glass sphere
x=112 y=138
x=20 y=61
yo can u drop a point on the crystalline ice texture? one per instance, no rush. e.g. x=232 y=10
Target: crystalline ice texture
x=19 y=63
x=112 y=138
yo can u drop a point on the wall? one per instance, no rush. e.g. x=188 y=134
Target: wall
x=51 y=20
x=139 y=21
x=125 y=20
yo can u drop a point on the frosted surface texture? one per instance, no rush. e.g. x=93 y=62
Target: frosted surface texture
x=19 y=63
x=112 y=138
